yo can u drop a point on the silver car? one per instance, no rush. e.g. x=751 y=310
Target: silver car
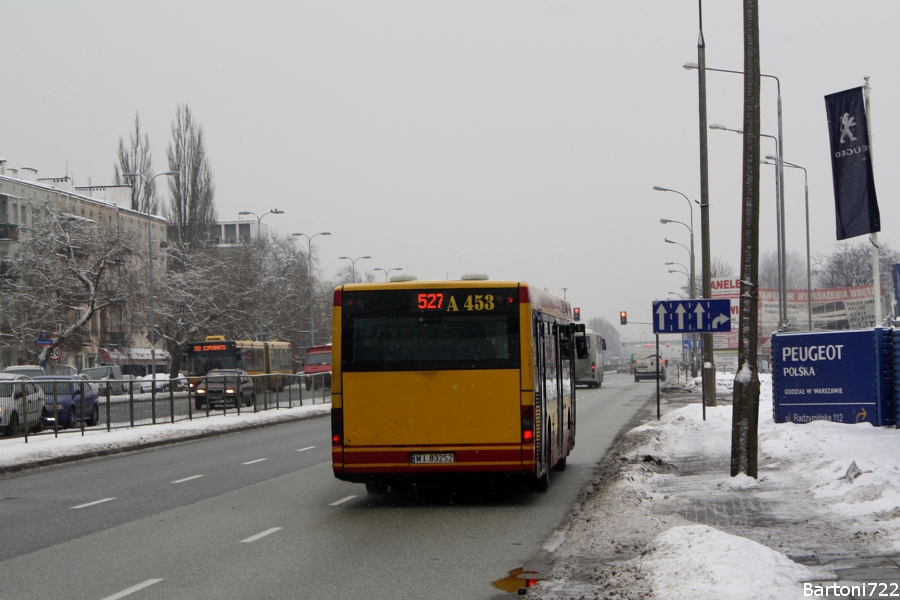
x=21 y=401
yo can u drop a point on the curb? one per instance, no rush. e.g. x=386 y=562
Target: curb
x=134 y=447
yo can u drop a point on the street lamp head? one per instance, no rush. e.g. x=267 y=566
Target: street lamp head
x=131 y=174
x=673 y=271
x=344 y=258
x=176 y=173
x=244 y=212
x=275 y=211
x=664 y=221
x=324 y=233
x=771 y=157
x=363 y=257
x=660 y=189
x=690 y=65
x=668 y=241
x=717 y=126
x=670 y=263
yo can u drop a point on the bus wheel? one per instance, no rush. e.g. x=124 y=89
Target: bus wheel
x=376 y=488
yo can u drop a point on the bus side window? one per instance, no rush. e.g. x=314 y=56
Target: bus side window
x=581 y=347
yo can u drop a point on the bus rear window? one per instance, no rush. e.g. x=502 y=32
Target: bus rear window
x=392 y=331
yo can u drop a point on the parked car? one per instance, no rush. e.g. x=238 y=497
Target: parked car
x=21 y=400
x=223 y=386
x=161 y=382
x=27 y=370
x=107 y=375
x=57 y=369
x=317 y=366
x=63 y=406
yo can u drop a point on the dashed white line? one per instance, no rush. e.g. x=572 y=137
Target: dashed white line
x=305 y=449
x=342 y=500
x=133 y=589
x=254 y=461
x=187 y=478
x=253 y=538
x=93 y=503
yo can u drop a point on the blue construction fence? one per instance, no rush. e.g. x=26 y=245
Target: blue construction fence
x=841 y=376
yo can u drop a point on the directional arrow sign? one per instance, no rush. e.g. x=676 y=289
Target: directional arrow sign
x=692 y=316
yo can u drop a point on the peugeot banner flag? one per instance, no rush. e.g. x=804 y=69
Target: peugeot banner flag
x=851 y=165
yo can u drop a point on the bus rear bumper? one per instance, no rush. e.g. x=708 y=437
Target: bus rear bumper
x=361 y=464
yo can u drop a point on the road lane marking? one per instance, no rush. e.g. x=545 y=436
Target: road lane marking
x=342 y=500
x=305 y=449
x=253 y=538
x=93 y=503
x=133 y=589
x=254 y=461
x=187 y=478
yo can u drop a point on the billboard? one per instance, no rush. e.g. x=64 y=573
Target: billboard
x=833 y=309
x=834 y=376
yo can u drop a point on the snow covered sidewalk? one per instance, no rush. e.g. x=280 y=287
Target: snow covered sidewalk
x=664 y=519
x=71 y=445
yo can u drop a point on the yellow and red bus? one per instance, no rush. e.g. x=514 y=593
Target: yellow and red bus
x=256 y=358
x=435 y=379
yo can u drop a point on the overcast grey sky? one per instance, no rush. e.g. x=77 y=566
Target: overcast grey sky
x=520 y=139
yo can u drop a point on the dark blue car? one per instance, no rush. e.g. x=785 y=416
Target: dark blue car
x=63 y=406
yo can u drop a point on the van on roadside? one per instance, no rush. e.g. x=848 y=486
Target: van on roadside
x=112 y=374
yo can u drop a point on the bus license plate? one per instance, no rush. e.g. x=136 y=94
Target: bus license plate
x=432 y=459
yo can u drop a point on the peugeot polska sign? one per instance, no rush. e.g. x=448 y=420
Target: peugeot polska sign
x=834 y=376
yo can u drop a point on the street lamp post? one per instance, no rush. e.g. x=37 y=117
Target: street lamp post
x=808 y=261
x=259 y=275
x=387 y=271
x=780 y=249
x=152 y=331
x=693 y=285
x=353 y=264
x=779 y=168
x=312 y=313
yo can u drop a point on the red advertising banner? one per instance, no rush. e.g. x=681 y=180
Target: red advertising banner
x=832 y=309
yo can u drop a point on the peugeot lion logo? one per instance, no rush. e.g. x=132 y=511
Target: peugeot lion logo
x=846 y=123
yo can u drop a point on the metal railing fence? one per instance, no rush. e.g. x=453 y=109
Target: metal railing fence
x=53 y=407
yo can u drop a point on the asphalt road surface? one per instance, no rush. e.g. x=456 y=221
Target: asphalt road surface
x=258 y=514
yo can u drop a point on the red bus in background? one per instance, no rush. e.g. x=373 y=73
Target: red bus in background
x=317 y=361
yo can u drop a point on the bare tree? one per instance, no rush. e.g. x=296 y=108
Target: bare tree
x=62 y=279
x=717 y=268
x=795 y=276
x=609 y=333
x=745 y=414
x=192 y=211
x=137 y=159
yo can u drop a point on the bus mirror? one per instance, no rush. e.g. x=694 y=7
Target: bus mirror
x=604 y=344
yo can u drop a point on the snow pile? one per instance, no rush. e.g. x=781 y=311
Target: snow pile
x=696 y=562
x=14 y=452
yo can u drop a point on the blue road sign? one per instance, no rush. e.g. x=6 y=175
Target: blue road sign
x=687 y=343
x=691 y=316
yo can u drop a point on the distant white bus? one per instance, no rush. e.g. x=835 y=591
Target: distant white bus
x=589 y=347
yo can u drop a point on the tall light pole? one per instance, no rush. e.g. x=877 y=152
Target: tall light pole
x=387 y=271
x=808 y=260
x=779 y=227
x=152 y=331
x=779 y=169
x=259 y=275
x=709 y=365
x=693 y=289
x=353 y=263
x=312 y=298
x=690 y=252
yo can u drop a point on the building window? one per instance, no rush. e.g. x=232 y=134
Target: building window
x=244 y=229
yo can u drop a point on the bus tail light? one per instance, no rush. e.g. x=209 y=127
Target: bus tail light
x=528 y=424
x=523 y=295
x=338 y=297
x=593 y=367
x=337 y=426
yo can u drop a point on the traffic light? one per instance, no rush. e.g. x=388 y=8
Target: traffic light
x=623 y=318
x=577 y=312
x=667 y=344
